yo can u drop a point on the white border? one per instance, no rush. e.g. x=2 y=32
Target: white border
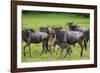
x=53 y=63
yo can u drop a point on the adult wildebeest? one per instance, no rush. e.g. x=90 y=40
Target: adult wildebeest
x=71 y=37
x=74 y=27
x=30 y=36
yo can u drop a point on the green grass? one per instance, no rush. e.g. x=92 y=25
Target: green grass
x=35 y=20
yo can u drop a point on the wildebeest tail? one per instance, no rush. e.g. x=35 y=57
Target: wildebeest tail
x=88 y=33
x=85 y=44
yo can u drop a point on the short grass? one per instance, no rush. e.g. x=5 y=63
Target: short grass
x=34 y=20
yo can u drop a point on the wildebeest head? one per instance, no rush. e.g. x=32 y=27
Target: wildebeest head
x=44 y=29
x=49 y=31
x=70 y=25
x=73 y=26
x=59 y=34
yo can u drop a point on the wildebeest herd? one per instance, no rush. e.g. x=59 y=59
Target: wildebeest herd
x=50 y=37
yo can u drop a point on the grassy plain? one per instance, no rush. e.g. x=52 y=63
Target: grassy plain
x=34 y=20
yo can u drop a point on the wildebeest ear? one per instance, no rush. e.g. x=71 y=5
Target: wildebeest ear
x=47 y=31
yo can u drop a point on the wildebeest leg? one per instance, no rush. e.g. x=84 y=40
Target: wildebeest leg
x=29 y=50
x=54 y=47
x=71 y=51
x=61 y=51
x=81 y=51
x=80 y=43
x=25 y=47
x=43 y=46
x=49 y=46
x=42 y=51
x=49 y=49
x=24 y=50
x=58 y=49
x=68 y=51
x=46 y=45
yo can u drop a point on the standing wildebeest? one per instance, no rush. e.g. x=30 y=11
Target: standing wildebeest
x=74 y=27
x=51 y=38
x=30 y=36
x=71 y=37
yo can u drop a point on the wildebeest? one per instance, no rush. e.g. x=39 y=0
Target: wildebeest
x=71 y=37
x=74 y=27
x=51 y=38
x=30 y=36
x=64 y=46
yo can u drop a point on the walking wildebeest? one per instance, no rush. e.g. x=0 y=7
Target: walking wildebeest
x=74 y=27
x=71 y=37
x=64 y=46
x=51 y=38
x=30 y=36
